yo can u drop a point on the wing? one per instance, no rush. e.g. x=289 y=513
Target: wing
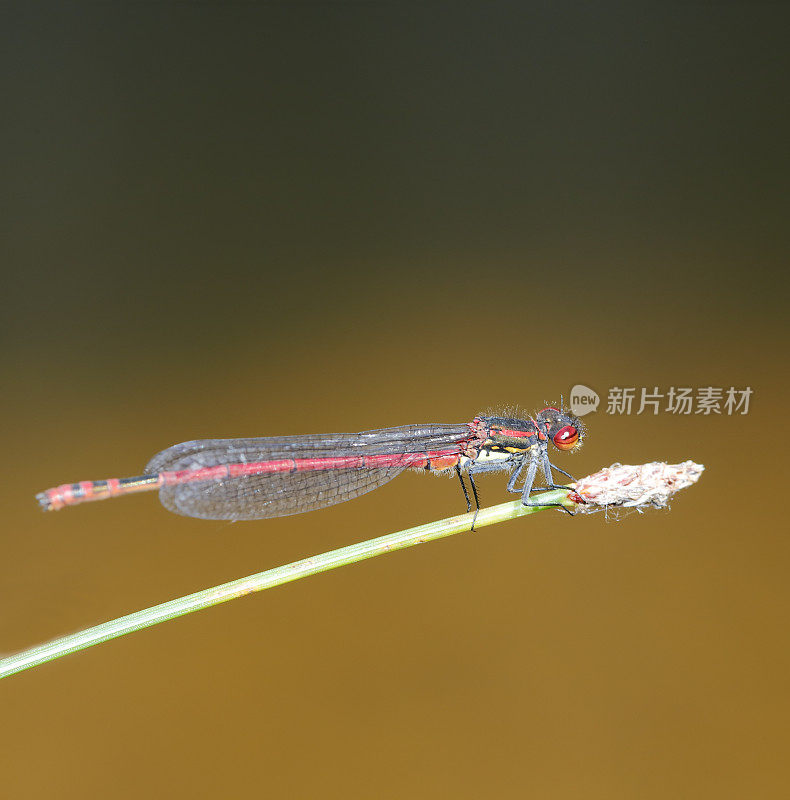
x=278 y=494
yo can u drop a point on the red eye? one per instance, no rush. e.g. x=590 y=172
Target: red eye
x=566 y=437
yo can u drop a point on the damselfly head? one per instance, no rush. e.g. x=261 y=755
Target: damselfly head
x=563 y=429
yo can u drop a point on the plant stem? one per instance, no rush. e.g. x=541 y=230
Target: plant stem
x=270 y=578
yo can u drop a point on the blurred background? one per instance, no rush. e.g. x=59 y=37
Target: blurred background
x=247 y=219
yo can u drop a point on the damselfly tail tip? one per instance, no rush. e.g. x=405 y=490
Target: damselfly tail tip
x=45 y=501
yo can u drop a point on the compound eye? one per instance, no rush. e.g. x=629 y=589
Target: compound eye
x=566 y=438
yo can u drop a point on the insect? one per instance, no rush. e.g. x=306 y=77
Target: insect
x=241 y=479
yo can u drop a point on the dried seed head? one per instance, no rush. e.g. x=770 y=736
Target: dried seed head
x=640 y=486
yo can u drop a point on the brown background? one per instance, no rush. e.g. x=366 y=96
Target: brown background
x=235 y=220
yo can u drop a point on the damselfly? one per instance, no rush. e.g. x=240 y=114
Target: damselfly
x=236 y=479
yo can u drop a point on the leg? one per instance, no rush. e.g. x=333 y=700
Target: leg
x=566 y=474
x=477 y=499
x=463 y=488
x=475 y=469
x=528 y=486
x=466 y=494
x=511 y=484
x=547 y=468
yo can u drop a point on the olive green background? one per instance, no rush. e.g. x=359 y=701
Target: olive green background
x=245 y=219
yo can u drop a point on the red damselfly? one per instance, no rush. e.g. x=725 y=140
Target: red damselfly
x=237 y=479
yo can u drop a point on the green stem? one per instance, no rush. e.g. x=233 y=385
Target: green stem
x=272 y=577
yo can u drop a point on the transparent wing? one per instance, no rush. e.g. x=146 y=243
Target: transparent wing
x=282 y=493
